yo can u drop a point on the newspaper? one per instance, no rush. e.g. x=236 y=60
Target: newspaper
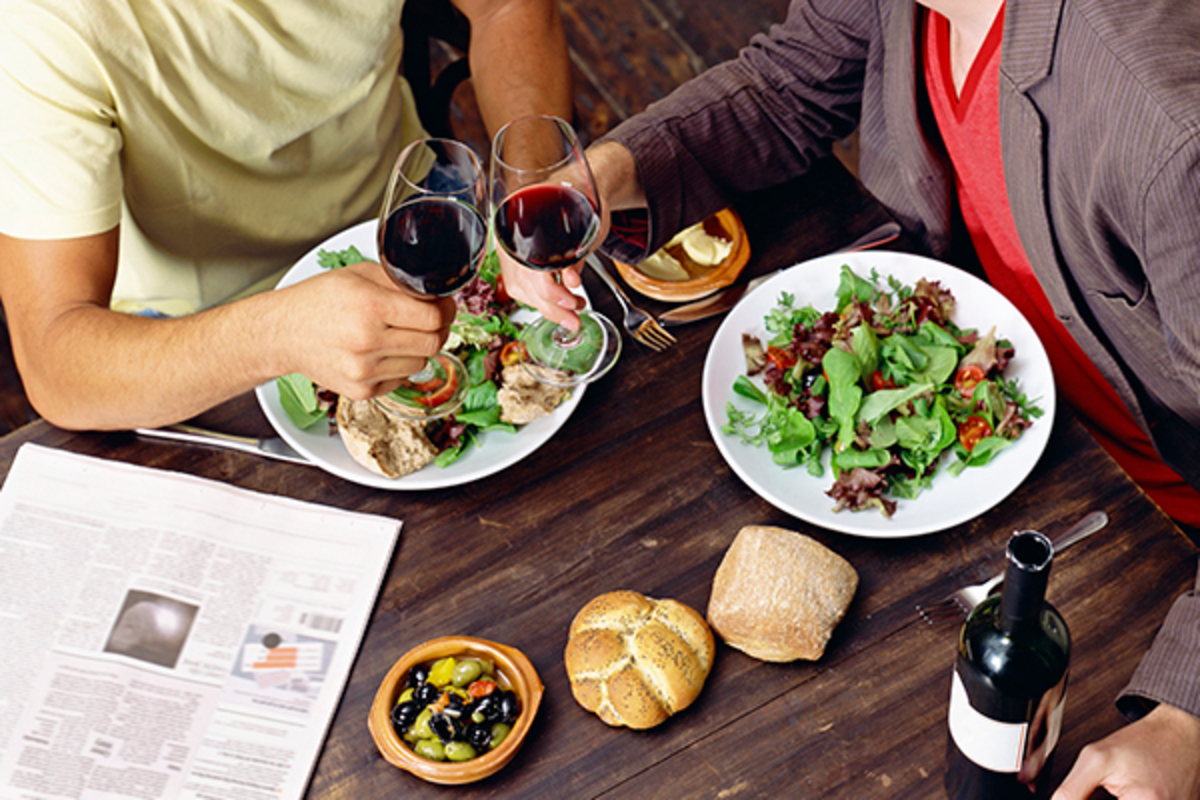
x=164 y=636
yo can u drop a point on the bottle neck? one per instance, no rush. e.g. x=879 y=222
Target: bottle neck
x=1029 y=557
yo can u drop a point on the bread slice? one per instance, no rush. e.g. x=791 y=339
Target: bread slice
x=383 y=443
x=778 y=595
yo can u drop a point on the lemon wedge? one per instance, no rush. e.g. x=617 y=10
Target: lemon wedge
x=664 y=267
x=703 y=248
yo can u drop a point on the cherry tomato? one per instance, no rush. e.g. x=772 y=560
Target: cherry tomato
x=967 y=378
x=973 y=429
x=502 y=295
x=439 y=390
x=512 y=353
x=878 y=382
x=781 y=358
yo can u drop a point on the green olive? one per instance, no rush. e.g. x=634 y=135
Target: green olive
x=466 y=671
x=499 y=734
x=405 y=696
x=420 y=728
x=431 y=749
x=441 y=671
x=459 y=751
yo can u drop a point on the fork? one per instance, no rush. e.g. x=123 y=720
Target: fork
x=638 y=323
x=959 y=603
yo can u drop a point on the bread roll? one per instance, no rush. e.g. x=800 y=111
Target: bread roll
x=634 y=660
x=778 y=595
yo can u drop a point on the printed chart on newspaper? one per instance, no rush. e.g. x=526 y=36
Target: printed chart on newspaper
x=163 y=636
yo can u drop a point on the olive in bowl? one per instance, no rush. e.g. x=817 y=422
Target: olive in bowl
x=456 y=709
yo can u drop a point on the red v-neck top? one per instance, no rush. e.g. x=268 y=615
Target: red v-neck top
x=970 y=126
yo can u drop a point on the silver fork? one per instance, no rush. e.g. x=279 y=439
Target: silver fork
x=638 y=323
x=959 y=603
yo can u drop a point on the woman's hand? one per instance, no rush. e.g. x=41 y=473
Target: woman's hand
x=618 y=187
x=1155 y=758
x=552 y=299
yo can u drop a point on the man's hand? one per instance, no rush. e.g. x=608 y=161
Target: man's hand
x=357 y=334
x=1155 y=758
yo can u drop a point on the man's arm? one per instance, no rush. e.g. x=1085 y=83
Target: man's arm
x=519 y=66
x=518 y=57
x=87 y=367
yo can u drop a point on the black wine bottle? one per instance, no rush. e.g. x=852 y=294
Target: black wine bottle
x=1009 y=684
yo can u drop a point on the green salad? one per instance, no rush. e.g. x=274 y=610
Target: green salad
x=482 y=335
x=885 y=383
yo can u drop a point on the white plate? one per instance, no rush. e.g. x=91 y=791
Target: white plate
x=494 y=451
x=951 y=500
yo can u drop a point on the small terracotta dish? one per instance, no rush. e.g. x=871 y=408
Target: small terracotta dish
x=513 y=670
x=703 y=280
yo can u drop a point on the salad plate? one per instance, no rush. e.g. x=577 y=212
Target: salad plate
x=951 y=499
x=321 y=444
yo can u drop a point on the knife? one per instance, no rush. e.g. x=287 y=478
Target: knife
x=273 y=447
x=722 y=301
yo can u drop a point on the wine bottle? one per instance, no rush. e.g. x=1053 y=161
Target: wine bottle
x=1009 y=683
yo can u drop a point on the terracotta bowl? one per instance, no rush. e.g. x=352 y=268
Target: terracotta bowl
x=513 y=671
x=704 y=280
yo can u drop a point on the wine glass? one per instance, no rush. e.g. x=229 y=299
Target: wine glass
x=546 y=216
x=432 y=240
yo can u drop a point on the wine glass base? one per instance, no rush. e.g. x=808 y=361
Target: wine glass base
x=436 y=391
x=561 y=357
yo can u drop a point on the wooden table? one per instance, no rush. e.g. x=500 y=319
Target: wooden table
x=632 y=493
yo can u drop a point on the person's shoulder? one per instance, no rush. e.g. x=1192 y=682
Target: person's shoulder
x=1148 y=37
x=1155 y=44
x=44 y=42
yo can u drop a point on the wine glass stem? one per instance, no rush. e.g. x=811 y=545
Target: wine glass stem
x=565 y=338
x=427 y=373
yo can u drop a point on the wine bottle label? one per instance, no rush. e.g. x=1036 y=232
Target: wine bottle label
x=1003 y=746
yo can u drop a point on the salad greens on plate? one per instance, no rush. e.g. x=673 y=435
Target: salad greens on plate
x=885 y=384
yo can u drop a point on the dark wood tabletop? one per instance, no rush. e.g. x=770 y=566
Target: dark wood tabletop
x=632 y=493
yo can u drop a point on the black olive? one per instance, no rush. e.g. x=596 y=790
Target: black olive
x=455 y=702
x=509 y=707
x=426 y=693
x=444 y=727
x=479 y=736
x=404 y=714
x=488 y=706
x=417 y=675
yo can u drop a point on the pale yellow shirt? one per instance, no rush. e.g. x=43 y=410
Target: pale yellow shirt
x=236 y=134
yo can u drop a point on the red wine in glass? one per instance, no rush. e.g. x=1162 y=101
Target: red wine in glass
x=547 y=226
x=432 y=238
x=432 y=245
x=546 y=216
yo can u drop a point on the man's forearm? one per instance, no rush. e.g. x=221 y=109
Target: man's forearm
x=519 y=61
x=103 y=370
